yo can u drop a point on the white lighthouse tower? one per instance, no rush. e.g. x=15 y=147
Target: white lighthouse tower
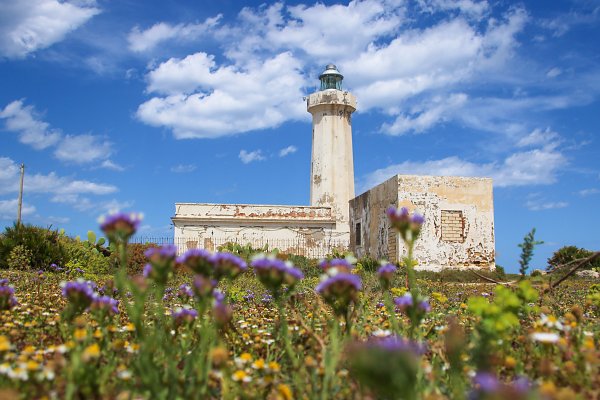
x=332 y=166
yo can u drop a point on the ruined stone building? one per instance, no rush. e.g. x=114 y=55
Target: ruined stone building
x=459 y=212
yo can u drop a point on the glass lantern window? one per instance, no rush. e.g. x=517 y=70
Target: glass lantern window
x=331 y=82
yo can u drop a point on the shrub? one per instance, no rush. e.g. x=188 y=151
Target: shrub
x=500 y=271
x=85 y=256
x=369 y=264
x=536 y=272
x=19 y=258
x=136 y=258
x=43 y=245
x=569 y=253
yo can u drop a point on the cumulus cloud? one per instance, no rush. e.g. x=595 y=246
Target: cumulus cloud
x=588 y=192
x=198 y=99
x=388 y=61
x=251 y=156
x=287 y=151
x=27 y=26
x=425 y=116
x=81 y=149
x=8 y=209
x=146 y=40
x=534 y=167
x=27 y=123
x=32 y=130
x=50 y=183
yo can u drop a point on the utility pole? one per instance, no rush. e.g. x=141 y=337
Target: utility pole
x=20 y=195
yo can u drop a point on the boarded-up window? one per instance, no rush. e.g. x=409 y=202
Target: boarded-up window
x=453 y=226
x=392 y=255
x=358 y=234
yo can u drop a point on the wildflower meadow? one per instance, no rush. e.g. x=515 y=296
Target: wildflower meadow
x=204 y=325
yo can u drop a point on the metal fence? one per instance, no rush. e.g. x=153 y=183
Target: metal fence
x=307 y=248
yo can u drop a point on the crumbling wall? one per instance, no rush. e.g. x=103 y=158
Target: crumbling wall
x=304 y=230
x=459 y=221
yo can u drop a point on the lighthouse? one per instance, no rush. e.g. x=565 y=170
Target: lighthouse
x=332 y=166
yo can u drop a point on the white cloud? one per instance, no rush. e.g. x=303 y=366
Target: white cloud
x=27 y=26
x=537 y=203
x=50 y=183
x=8 y=209
x=540 y=137
x=553 y=72
x=84 y=203
x=183 y=168
x=81 y=149
x=287 y=150
x=26 y=121
x=248 y=157
x=37 y=133
x=470 y=8
x=423 y=117
x=535 y=167
x=108 y=164
x=205 y=101
x=148 y=39
x=588 y=192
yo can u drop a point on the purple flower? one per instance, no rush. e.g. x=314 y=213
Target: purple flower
x=105 y=304
x=119 y=227
x=266 y=298
x=162 y=262
x=198 y=261
x=203 y=287
x=273 y=273
x=408 y=227
x=182 y=316
x=7 y=295
x=249 y=295
x=56 y=268
x=424 y=306
x=340 y=264
x=403 y=302
x=222 y=313
x=340 y=290
x=386 y=274
x=486 y=382
x=185 y=292
x=80 y=294
x=397 y=344
x=521 y=385
x=226 y=265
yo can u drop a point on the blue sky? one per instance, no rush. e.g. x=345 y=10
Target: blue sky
x=137 y=105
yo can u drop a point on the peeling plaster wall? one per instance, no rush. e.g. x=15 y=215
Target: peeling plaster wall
x=298 y=229
x=429 y=195
x=332 y=166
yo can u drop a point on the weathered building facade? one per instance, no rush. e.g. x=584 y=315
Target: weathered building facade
x=458 y=211
x=459 y=221
x=313 y=230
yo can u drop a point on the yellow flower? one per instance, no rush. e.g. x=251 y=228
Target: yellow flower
x=259 y=364
x=246 y=357
x=4 y=343
x=28 y=350
x=129 y=327
x=274 y=366
x=32 y=365
x=284 y=392
x=98 y=334
x=510 y=362
x=80 y=334
x=241 y=376
x=91 y=352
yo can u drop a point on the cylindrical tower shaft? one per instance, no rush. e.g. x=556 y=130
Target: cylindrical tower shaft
x=332 y=166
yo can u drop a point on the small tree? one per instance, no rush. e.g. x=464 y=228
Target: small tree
x=567 y=254
x=527 y=246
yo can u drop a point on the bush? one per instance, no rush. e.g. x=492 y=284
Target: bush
x=368 y=264
x=569 y=253
x=500 y=272
x=536 y=272
x=42 y=245
x=84 y=256
x=136 y=258
x=19 y=258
